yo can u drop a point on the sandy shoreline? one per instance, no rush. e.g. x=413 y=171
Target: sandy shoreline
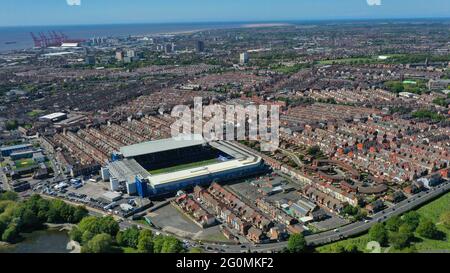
x=4 y=244
x=60 y=227
x=74 y=247
x=266 y=25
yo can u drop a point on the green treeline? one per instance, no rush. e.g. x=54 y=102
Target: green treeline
x=17 y=217
x=103 y=235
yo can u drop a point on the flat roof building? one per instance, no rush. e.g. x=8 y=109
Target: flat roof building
x=7 y=151
x=54 y=117
x=112 y=196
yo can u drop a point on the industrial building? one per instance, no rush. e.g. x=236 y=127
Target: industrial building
x=165 y=166
x=7 y=151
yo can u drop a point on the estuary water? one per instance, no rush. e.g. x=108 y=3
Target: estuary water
x=43 y=241
x=16 y=38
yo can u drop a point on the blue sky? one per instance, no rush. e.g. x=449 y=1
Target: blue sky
x=58 y=12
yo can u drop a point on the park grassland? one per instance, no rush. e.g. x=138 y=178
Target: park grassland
x=363 y=60
x=432 y=211
x=349 y=61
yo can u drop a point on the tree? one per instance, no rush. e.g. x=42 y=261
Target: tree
x=3 y=226
x=395 y=86
x=4 y=204
x=401 y=238
x=97 y=225
x=394 y=223
x=29 y=221
x=43 y=207
x=11 y=233
x=412 y=219
x=79 y=213
x=338 y=249
x=351 y=249
x=129 y=237
x=350 y=210
x=59 y=212
x=410 y=249
x=361 y=215
x=158 y=242
x=145 y=242
x=314 y=151
x=120 y=239
x=76 y=234
x=379 y=234
x=428 y=229
x=9 y=195
x=109 y=226
x=296 y=243
x=398 y=240
x=100 y=243
x=405 y=229
x=172 y=245
x=87 y=223
x=86 y=237
x=11 y=125
x=445 y=219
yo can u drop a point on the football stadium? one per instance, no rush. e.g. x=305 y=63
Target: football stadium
x=165 y=166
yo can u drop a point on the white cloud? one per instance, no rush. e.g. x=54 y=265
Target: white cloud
x=374 y=2
x=74 y=2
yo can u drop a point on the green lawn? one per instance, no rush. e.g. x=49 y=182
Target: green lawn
x=361 y=60
x=431 y=211
x=184 y=167
x=349 y=61
x=24 y=163
x=35 y=113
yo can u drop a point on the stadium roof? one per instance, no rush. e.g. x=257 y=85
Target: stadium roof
x=126 y=170
x=54 y=116
x=15 y=147
x=159 y=146
x=160 y=179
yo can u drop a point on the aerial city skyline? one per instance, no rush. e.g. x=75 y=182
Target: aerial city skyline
x=225 y=127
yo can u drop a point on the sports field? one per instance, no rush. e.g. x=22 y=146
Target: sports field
x=184 y=166
x=24 y=163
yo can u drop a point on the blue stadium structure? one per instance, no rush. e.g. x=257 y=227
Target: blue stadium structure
x=166 y=166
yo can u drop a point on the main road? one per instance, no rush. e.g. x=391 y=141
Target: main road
x=351 y=229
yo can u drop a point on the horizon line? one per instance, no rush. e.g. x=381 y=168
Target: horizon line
x=342 y=19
